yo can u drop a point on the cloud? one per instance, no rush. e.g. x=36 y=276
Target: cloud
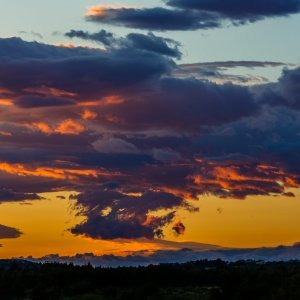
x=89 y=115
x=165 y=155
x=112 y=214
x=185 y=105
x=80 y=73
x=33 y=101
x=7 y=195
x=155 y=44
x=218 y=71
x=179 y=228
x=70 y=127
x=103 y=36
x=235 y=64
x=149 y=42
x=114 y=145
x=156 y=18
x=285 y=92
x=32 y=33
x=244 y=10
x=137 y=142
x=9 y=232
x=192 y=14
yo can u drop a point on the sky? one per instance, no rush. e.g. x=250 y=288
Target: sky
x=144 y=127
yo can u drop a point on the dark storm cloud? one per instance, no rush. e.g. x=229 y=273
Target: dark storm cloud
x=18 y=50
x=7 y=195
x=9 y=232
x=185 y=105
x=148 y=42
x=157 y=18
x=179 y=228
x=271 y=138
x=111 y=214
x=156 y=44
x=248 y=10
x=83 y=72
x=286 y=92
x=115 y=160
x=103 y=36
x=193 y=14
x=31 y=101
x=46 y=147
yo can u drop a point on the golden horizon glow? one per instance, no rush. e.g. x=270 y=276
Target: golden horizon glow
x=254 y=222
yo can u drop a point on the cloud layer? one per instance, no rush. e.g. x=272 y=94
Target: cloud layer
x=135 y=139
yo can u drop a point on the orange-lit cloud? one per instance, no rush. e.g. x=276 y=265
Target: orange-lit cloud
x=5 y=133
x=49 y=91
x=70 y=127
x=6 y=102
x=114 y=99
x=89 y=115
x=4 y=91
x=43 y=127
x=66 y=127
x=48 y=172
x=110 y=100
x=100 y=10
x=240 y=180
x=65 y=45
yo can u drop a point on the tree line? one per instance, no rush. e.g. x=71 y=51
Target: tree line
x=200 y=280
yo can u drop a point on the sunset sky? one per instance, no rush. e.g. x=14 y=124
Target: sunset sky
x=148 y=125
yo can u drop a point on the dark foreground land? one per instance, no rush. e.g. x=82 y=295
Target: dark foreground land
x=202 y=280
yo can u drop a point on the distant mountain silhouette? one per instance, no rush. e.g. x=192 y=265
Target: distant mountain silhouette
x=185 y=252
